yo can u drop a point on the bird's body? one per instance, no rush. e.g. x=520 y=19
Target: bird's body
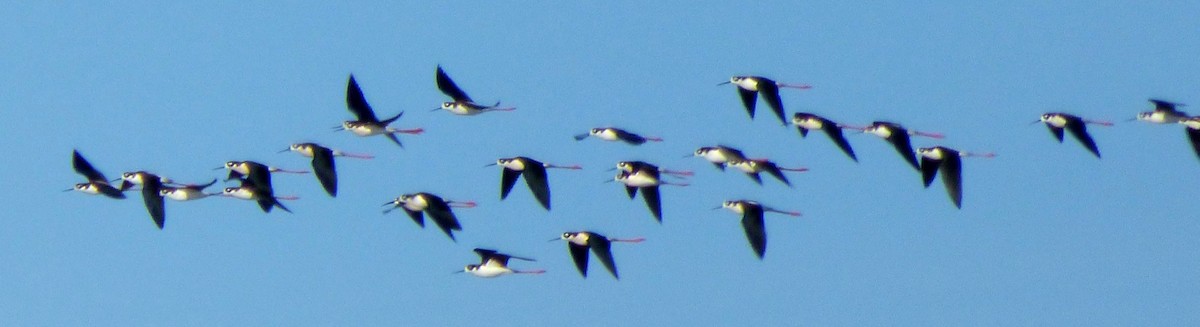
x=578 y=244
x=535 y=177
x=367 y=124
x=323 y=163
x=1165 y=112
x=1057 y=122
x=806 y=121
x=495 y=264
x=753 y=167
x=752 y=222
x=186 y=192
x=751 y=87
x=719 y=155
x=416 y=205
x=949 y=163
x=900 y=138
x=152 y=186
x=265 y=199
x=462 y=105
x=613 y=134
x=97 y=183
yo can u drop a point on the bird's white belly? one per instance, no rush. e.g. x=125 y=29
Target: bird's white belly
x=487 y=271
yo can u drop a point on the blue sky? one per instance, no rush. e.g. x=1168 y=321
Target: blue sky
x=1048 y=235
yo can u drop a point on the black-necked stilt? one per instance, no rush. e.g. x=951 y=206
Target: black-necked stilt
x=805 y=121
x=97 y=183
x=1164 y=112
x=367 y=124
x=617 y=134
x=578 y=244
x=495 y=264
x=750 y=86
x=1193 y=132
x=752 y=168
x=322 y=162
x=752 y=222
x=719 y=155
x=1057 y=121
x=255 y=172
x=186 y=192
x=462 y=104
x=439 y=210
x=266 y=199
x=899 y=137
x=152 y=186
x=646 y=180
x=535 y=176
x=949 y=162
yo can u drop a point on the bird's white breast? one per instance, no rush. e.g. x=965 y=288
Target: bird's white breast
x=1057 y=121
x=810 y=123
x=184 y=194
x=639 y=180
x=748 y=84
x=489 y=271
x=518 y=165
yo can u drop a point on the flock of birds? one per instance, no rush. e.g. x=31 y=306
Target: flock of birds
x=254 y=178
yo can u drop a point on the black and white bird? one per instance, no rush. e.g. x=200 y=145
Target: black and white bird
x=752 y=221
x=462 y=104
x=899 y=137
x=1057 y=122
x=323 y=163
x=613 y=134
x=535 y=176
x=578 y=244
x=367 y=124
x=752 y=168
x=266 y=199
x=495 y=264
x=439 y=210
x=749 y=87
x=97 y=183
x=806 y=121
x=646 y=180
x=949 y=162
x=186 y=192
x=152 y=186
x=719 y=155
x=1165 y=112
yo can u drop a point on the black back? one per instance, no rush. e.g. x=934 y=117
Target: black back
x=447 y=86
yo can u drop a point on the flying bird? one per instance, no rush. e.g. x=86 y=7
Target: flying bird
x=495 y=264
x=647 y=181
x=719 y=155
x=322 y=162
x=462 y=104
x=152 y=186
x=616 y=134
x=752 y=168
x=949 y=162
x=899 y=137
x=439 y=210
x=1057 y=121
x=97 y=183
x=367 y=124
x=749 y=87
x=186 y=192
x=805 y=121
x=1193 y=132
x=535 y=176
x=248 y=191
x=752 y=221
x=578 y=244
x=1164 y=112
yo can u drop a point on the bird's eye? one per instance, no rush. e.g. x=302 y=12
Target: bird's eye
x=566 y=235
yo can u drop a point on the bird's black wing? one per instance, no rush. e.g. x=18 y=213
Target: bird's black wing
x=603 y=250
x=259 y=176
x=445 y=220
x=903 y=144
x=755 y=177
x=632 y=191
x=357 y=103
x=535 y=177
x=775 y=171
x=929 y=168
x=485 y=254
x=770 y=93
x=835 y=134
x=153 y=200
x=1194 y=136
x=417 y=217
x=579 y=254
x=110 y=191
x=653 y=201
x=83 y=167
x=630 y=138
x=720 y=166
x=447 y=86
x=803 y=131
x=952 y=177
x=508 y=178
x=749 y=99
x=1079 y=130
x=1057 y=131
x=756 y=232
x=325 y=169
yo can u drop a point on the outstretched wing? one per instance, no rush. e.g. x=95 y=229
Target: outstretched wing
x=748 y=100
x=325 y=169
x=535 y=177
x=603 y=250
x=929 y=168
x=653 y=201
x=903 y=145
x=1079 y=130
x=770 y=93
x=83 y=167
x=357 y=103
x=756 y=232
x=580 y=256
x=835 y=134
x=447 y=86
x=952 y=177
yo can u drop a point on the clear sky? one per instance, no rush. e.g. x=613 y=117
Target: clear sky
x=1048 y=234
